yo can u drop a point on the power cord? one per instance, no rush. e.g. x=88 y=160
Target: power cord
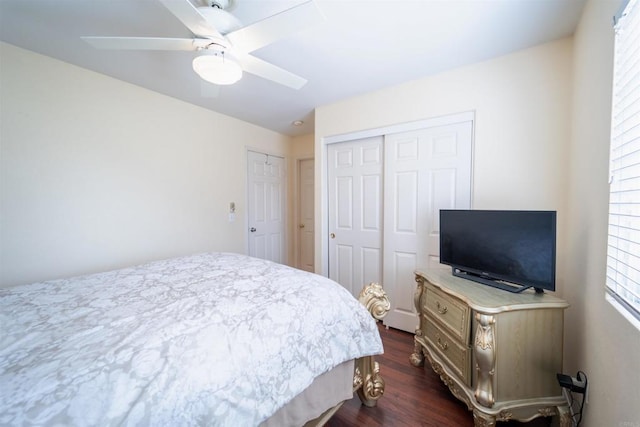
x=578 y=385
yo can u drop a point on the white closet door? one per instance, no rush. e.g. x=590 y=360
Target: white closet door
x=355 y=212
x=425 y=171
x=266 y=206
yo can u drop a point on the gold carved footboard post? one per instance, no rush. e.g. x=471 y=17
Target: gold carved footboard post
x=367 y=380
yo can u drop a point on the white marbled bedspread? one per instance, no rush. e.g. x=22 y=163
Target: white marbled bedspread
x=211 y=339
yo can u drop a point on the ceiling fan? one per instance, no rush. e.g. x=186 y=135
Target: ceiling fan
x=224 y=46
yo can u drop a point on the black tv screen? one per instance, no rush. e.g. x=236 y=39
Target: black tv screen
x=501 y=248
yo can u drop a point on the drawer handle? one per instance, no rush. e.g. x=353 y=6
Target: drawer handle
x=441 y=309
x=442 y=345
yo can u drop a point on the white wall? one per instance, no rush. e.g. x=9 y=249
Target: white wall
x=598 y=340
x=522 y=110
x=97 y=174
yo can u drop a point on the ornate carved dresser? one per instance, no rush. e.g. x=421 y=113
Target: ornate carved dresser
x=497 y=351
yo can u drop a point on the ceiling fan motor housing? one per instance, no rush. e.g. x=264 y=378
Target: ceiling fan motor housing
x=221 y=4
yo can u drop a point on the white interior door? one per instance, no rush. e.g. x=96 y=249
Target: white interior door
x=305 y=229
x=266 y=206
x=425 y=171
x=355 y=212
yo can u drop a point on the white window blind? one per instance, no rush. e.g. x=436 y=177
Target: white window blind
x=623 y=253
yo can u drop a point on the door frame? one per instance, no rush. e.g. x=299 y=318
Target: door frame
x=297 y=210
x=285 y=198
x=322 y=221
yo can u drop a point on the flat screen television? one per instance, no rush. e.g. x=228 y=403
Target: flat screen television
x=511 y=250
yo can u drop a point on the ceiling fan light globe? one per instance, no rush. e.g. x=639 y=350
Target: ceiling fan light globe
x=217 y=69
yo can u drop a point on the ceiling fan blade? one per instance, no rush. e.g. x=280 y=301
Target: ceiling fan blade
x=192 y=19
x=268 y=71
x=268 y=30
x=141 y=43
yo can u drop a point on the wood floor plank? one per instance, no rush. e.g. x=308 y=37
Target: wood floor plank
x=413 y=396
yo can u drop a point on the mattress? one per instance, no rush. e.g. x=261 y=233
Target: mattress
x=209 y=339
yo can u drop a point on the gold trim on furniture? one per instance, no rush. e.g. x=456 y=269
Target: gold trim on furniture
x=367 y=379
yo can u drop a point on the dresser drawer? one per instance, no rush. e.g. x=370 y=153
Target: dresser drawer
x=456 y=355
x=452 y=313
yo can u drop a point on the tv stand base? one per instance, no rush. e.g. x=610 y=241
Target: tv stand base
x=505 y=286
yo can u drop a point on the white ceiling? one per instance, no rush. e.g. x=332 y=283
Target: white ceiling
x=361 y=46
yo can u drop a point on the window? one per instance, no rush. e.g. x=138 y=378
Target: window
x=623 y=253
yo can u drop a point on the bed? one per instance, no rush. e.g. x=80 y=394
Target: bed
x=211 y=339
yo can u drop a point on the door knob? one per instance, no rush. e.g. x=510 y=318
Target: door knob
x=332 y=235
x=301 y=226
x=252 y=229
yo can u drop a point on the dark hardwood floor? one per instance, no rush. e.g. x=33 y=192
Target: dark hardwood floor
x=413 y=396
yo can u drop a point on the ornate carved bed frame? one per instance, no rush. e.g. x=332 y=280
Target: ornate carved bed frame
x=367 y=381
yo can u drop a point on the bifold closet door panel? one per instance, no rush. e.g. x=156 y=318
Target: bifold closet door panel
x=424 y=171
x=355 y=212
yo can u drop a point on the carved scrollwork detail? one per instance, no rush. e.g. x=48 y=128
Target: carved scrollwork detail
x=373 y=386
x=448 y=381
x=418 y=293
x=367 y=379
x=417 y=358
x=548 y=411
x=566 y=420
x=484 y=350
x=437 y=368
x=482 y=420
x=504 y=415
x=375 y=299
x=484 y=333
x=357 y=379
